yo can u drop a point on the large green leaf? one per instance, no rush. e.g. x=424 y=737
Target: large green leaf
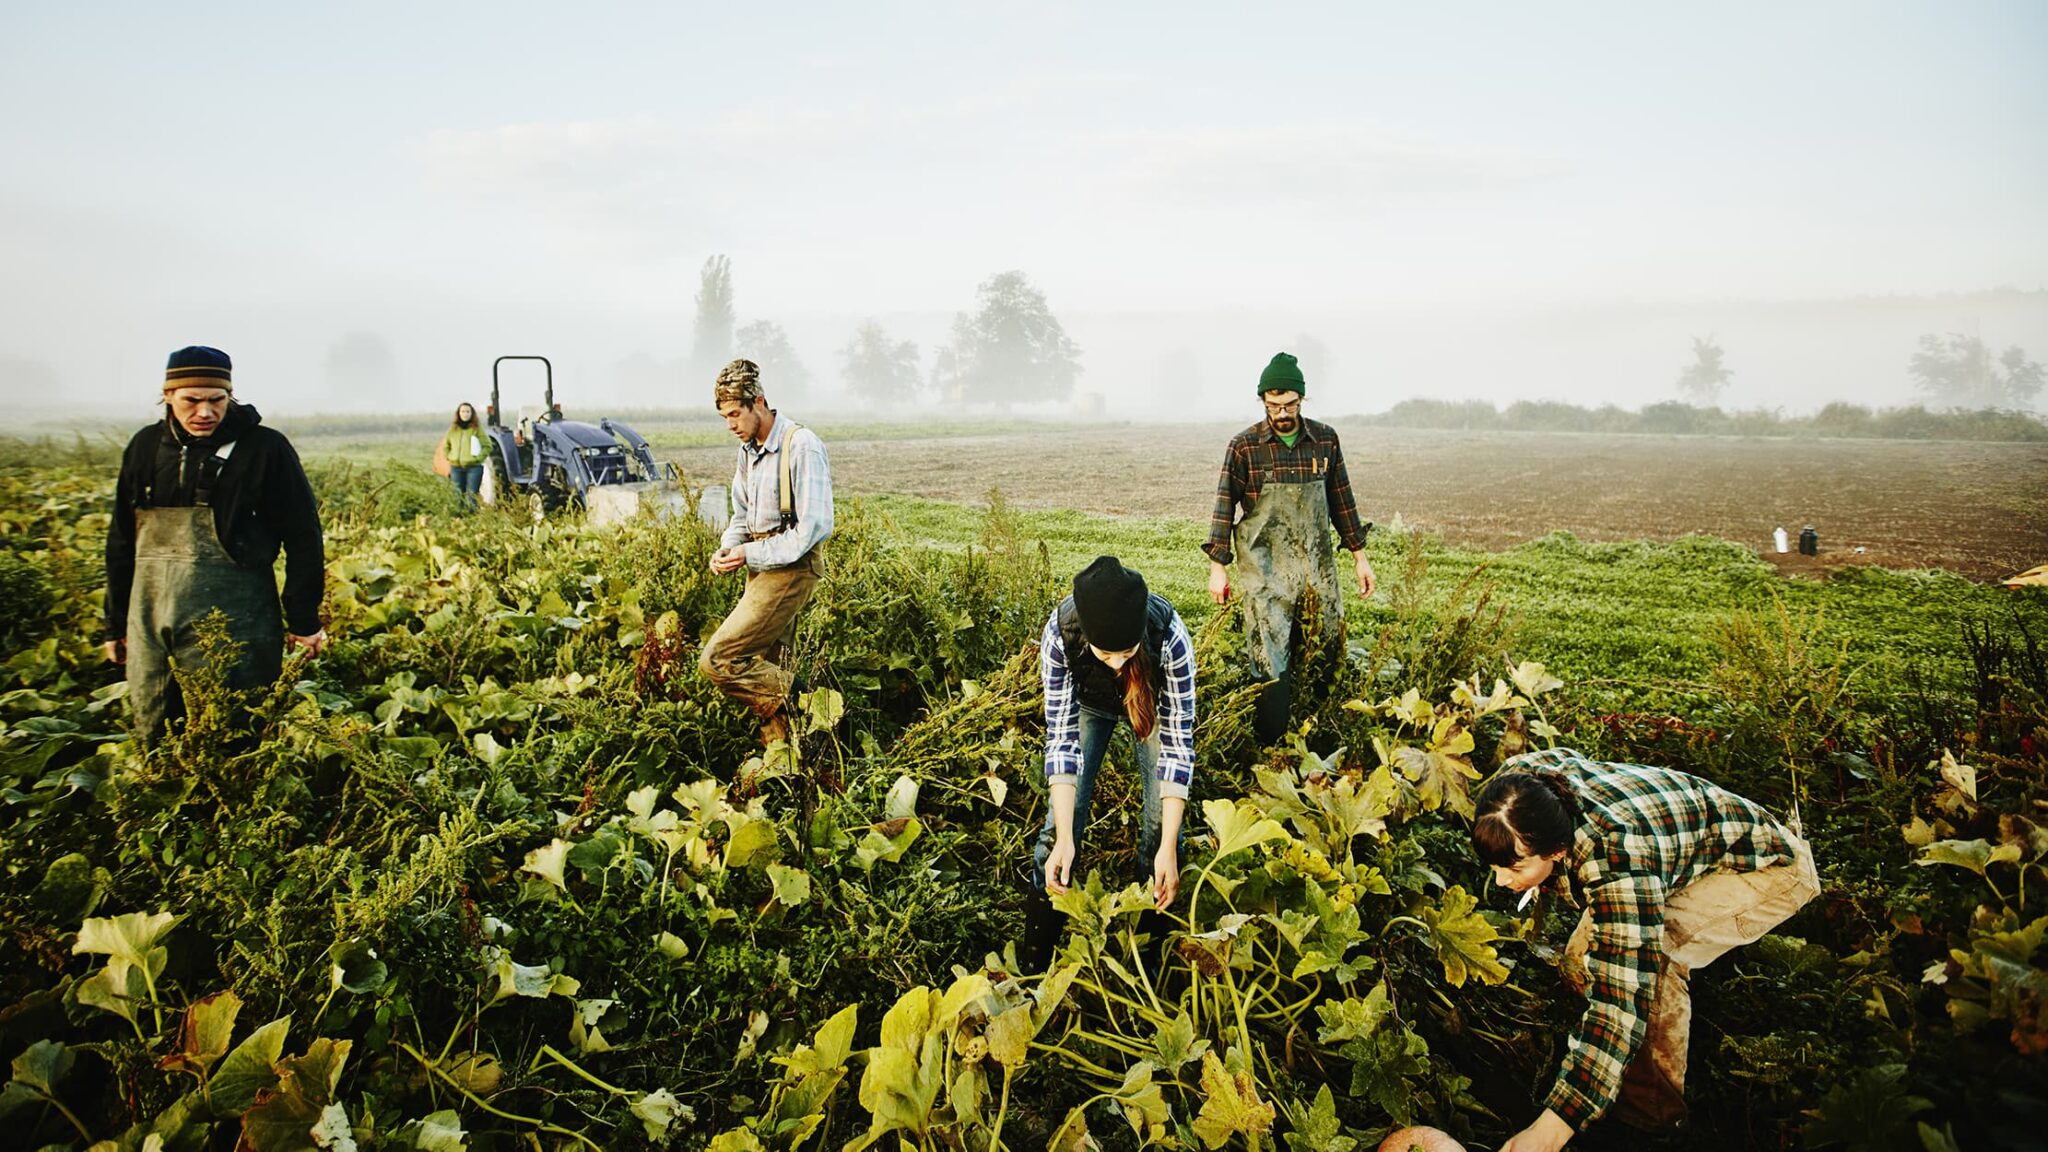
x=1463 y=939
x=1315 y=1127
x=247 y=1070
x=354 y=967
x=1175 y=1044
x=1353 y=1018
x=42 y=1064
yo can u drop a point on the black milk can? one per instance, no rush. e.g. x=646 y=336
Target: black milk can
x=1809 y=541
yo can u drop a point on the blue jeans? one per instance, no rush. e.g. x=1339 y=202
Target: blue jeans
x=468 y=479
x=1096 y=729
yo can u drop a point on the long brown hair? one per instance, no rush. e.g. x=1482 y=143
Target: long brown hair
x=1536 y=811
x=456 y=421
x=1139 y=677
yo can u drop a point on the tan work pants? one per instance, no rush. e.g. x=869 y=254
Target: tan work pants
x=1701 y=921
x=745 y=657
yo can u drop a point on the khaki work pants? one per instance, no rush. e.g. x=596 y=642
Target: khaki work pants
x=745 y=657
x=1701 y=921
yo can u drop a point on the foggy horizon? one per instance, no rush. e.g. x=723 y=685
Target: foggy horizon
x=364 y=207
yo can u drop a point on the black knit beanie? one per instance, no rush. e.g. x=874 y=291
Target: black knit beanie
x=1111 y=601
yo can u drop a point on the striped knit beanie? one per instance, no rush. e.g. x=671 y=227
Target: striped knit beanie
x=199 y=367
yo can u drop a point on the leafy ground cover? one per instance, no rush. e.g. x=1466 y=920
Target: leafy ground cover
x=500 y=870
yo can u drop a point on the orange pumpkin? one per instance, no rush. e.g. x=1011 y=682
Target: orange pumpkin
x=1420 y=1139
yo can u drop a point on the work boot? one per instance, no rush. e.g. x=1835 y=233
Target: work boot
x=775 y=729
x=1269 y=715
x=1042 y=928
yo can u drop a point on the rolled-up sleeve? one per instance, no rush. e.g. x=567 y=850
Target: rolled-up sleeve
x=1062 y=710
x=1176 y=766
x=1621 y=970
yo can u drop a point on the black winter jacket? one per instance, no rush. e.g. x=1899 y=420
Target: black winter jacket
x=261 y=500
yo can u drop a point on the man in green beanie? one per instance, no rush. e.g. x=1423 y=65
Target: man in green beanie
x=1282 y=486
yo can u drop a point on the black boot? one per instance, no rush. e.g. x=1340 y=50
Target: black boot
x=1269 y=717
x=1042 y=930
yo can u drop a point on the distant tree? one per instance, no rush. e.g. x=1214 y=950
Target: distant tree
x=1703 y=379
x=782 y=373
x=1958 y=372
x=1012 y=348
x=361 y=367
x=878 y=369
x=711 y=347
x=945 y=376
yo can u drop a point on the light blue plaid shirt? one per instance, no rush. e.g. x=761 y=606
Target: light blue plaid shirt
x=1176 y=768
x=757 y=502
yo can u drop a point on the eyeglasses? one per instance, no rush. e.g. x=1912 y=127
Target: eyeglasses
x=1289 y=409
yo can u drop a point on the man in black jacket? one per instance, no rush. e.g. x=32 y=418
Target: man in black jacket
x=206 y=498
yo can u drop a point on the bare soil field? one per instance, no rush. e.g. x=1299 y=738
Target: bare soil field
x=1978 y=509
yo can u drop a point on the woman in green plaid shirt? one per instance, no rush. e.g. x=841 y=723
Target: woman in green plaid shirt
x=1672 y=872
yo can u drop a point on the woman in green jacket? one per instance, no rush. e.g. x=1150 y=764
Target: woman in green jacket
x=467 y=451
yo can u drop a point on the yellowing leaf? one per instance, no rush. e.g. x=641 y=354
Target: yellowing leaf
x=792 y=885
x=1976 y=855
x=1239 y=826
x=659 y=1109
x=1010 y=1035
x=126 y=938
x=203 y=1038
x=752 y=841
x=1532 y=679
x=546 y=862
x=1232 y=1107
x=1962 y=777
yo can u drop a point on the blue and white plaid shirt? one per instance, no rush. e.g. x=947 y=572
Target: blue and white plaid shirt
x=757 y=502
x=1176 y=768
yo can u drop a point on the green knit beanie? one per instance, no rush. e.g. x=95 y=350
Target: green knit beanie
x=1282 y=375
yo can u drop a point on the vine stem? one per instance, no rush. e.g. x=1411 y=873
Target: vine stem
x=435 y=1071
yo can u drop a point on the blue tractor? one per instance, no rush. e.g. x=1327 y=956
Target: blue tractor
x=555 y=462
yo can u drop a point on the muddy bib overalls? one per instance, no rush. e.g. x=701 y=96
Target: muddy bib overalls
x=1280 y=549
x=183 y=573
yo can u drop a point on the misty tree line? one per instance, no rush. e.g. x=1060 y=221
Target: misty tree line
x=1951 y=371
x=1009 y=348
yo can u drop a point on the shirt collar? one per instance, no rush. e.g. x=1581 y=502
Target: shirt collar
x=776 y=434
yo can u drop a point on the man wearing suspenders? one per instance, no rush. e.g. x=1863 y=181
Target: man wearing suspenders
x=781 y=518
x=206 y=498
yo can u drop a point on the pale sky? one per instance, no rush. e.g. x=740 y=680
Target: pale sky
x=461 y=177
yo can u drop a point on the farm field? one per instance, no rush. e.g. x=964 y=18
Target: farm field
x=1978 y=509
x=500 y=870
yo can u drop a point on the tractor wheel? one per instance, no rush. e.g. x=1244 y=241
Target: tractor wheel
x=554 y=490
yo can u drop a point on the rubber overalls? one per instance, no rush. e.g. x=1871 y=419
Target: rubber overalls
x=1280 y=549
x=182 y=573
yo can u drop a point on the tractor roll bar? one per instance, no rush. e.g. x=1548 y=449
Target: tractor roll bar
x=492 y=415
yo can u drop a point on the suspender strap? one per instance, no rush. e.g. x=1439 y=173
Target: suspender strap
x=786 y=496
